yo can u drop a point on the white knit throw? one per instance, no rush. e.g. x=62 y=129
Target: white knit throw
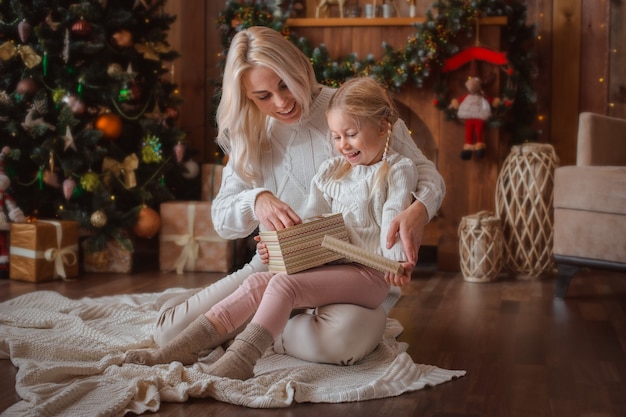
x=70 y=359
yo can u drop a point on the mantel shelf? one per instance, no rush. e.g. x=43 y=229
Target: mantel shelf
x=378 y=21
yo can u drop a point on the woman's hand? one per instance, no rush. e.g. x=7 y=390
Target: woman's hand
x=409 y=224
x=261 y=249
x=273 y=213
x=400 y=280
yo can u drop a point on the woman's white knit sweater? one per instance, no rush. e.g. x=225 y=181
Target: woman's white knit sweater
x=296 y=153
x=367 y=212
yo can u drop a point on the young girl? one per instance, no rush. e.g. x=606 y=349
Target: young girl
x=367 y=184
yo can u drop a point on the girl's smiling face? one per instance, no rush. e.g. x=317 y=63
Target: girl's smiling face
x=271 y=95
x=360 y=145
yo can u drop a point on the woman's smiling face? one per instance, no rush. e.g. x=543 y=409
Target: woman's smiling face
x=271 y=95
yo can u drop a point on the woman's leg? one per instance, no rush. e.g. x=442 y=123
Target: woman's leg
x=174 y=319
x=211 y=329
x=347 y=326
x=340 y=334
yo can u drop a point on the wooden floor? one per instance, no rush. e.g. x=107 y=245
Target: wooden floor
x=525 y=353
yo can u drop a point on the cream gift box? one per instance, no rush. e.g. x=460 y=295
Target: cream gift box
x=188 y=241
x=43 y=250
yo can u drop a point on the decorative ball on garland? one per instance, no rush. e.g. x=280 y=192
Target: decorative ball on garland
x=24 y=29
x=148 y=223
x=110 y=125
x=82 y=28
x=26 y=87
x=191 y=169
x=98 y=219
x=89 y=181
x=123 y=38
x=69 y=185
x=75 y=104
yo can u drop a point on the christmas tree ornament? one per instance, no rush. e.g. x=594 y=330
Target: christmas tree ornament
x=24 y=30
x=51 y=179
x=89 y=181
x=51 y=23
x=65 y=52
x=191 y=169
x=126 y=168
x=69 y=185
x=114 y=70
x=179 y=151
x=82 y=28
x=148 y=223
x=110 y=125
x=26 y=87
x=151 y=50
x=98 y=219
x=123 y=38
x=75 y=104
x=37 y=125
x=151 y=151
x=68 y=139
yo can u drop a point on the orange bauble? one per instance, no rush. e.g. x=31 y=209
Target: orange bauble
x=148 y=223
x=110 y=125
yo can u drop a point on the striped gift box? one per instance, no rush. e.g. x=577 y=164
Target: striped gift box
x=299 y=247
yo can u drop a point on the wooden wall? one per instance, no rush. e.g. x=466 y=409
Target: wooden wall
x=580 y=67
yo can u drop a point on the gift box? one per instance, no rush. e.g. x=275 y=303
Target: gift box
x=43 y=250
x=299 y=247
x=210 y=181
x=112 y=258
x=188 y=241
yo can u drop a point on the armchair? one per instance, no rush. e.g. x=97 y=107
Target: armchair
x=590 y=201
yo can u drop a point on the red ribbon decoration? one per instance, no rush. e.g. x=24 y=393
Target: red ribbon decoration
x=474 y=53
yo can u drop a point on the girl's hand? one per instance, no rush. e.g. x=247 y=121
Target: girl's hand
x=273 y=213
x=261 y=249
x=400 y=280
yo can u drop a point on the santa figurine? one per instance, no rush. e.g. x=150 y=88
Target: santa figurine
x=475 y=109
x=7 y=208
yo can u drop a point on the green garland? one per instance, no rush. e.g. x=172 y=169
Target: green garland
x=422 y=56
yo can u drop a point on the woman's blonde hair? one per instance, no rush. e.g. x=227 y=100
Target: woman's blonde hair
x=367 y=102
x=242 y=127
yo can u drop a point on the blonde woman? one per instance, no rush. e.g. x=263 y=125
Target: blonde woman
x=367 y=184
x=272 y=124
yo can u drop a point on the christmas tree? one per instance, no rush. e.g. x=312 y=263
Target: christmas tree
x=88 y=111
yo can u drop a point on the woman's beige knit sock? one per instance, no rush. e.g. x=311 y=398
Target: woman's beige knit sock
x=239 y=359
x=198 y=336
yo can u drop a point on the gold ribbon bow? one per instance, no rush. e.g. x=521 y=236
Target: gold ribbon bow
x=30 y=58
x=188 y=241
x=126 y=168
x=61 y=256
x=151 y=50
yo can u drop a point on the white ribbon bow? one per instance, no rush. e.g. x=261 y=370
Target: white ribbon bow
x=189 y=242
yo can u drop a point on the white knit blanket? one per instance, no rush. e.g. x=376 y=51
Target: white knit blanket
x=70 y=359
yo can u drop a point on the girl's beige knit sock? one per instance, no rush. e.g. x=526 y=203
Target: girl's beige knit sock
x=198 y=336
x=239 y=359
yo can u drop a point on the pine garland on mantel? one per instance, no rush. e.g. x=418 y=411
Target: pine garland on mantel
x=422 y=56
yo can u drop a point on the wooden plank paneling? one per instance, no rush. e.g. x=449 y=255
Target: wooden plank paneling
x=594 y=46
x=566 y=77
x=617 y=61
x=189 y=69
